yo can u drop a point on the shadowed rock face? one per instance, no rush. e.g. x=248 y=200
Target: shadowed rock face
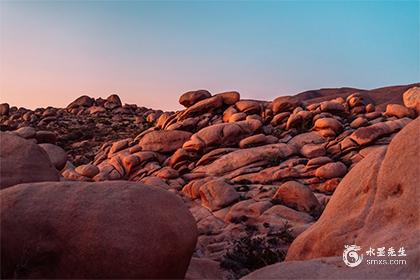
x=23 y=161
x=254 y=174
x=94 y=230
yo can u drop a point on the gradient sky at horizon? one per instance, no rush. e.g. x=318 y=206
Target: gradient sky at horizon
x=150 y=52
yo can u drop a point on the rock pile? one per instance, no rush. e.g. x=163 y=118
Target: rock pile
x=246 y=164
x=379 y=199
x=254 y=174
x=82 y=127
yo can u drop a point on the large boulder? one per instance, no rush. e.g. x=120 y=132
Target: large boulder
x=222 y=135
x=411 y=98
x=375 y=205
x=331 y=170
x=82 y=101
x=285 y=104
x=79 y=230
x=367 y=135
x=87 y=170
x=4 y=109
x=217 y=194
x=26 y=132
x=399 y=111
x=267 y=154
x=57 y=155
x=229 y=97
x=248 y=106
x=23 y=161
x=113 y=101
x=164 y=141
x=328 y=126
x=203 y=106
x=299 y=197
x=191 y=97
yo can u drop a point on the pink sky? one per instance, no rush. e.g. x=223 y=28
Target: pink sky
x=150 y=52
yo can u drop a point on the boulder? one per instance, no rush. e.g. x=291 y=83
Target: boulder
x=318 y=161
x=411 y=99
x=232 y=161
x=222 y=135
x=284 y=104
x=4 y=109
x=367 y=135
x=359 y=122
x=164 y=141
x=399 y=111
x=87 y=170
x=191 y=97
x=299 y=197
x=332 y=106
x=26 y=132
x=313 y=150
x=82 y=101
x=57 y=155
x=229 y=97
x=113 y=101
x=217 y=194
x=278 y=216
x=229 y=112
x=300 y=120
x=113 y=229
x=279 y=118
x=379 y=199
x=331 y=170
x=302 y=139
x=96 y=110
x=23 y=161
x=43 y=136
x=207 y=105
x=119 y=145
x=248 y=106
x=155 y=182
x=245 y=210
x=329 y=124
x=355 y=100
x=192 y=189
x=255 y=174
x=237 y=117
x=257 y=140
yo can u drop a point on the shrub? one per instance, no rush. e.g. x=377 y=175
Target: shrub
x=253 y=251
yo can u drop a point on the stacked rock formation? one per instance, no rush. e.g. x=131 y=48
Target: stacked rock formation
x=379 y=199
x=247 y=164
x=254 y=174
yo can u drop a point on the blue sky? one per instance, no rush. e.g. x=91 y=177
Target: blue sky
x=150 y=52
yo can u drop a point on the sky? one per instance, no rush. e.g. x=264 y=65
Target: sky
x=150 y=52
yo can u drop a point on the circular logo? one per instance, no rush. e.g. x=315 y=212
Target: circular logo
x=350 y=256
